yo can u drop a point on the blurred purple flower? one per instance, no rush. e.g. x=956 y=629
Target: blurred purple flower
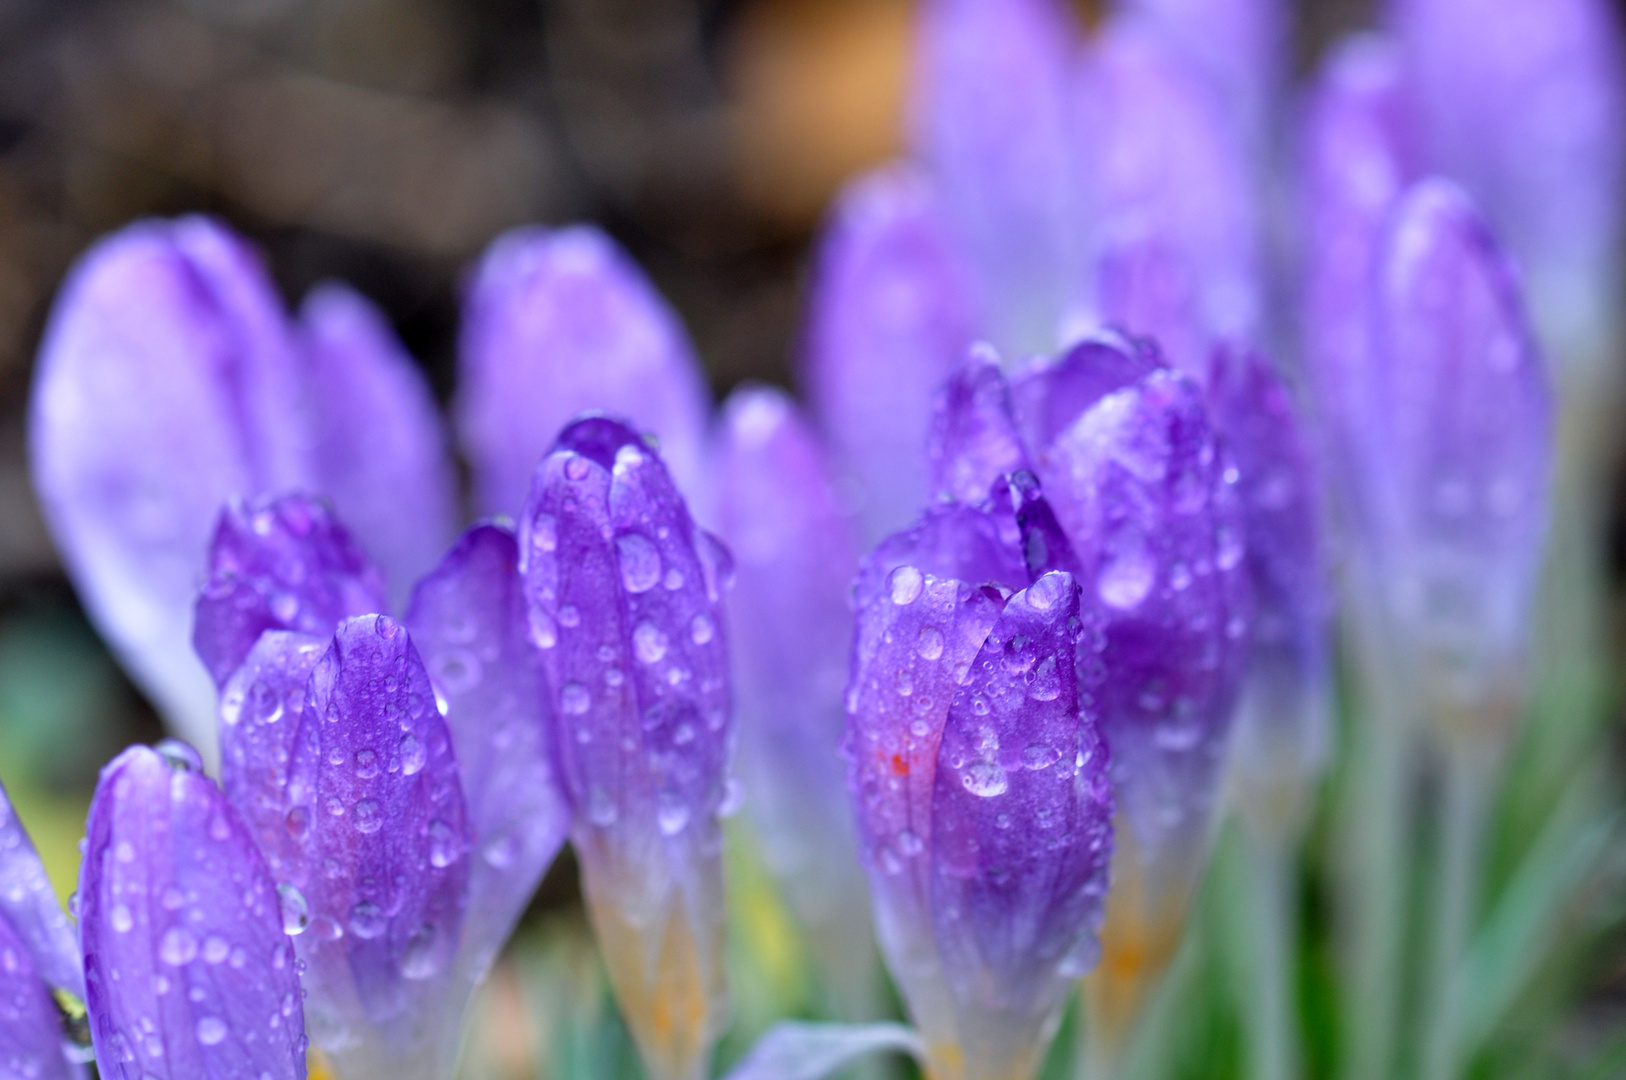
x=979 y=783
x=170 y=379
x=187 y=970
x=625 y=598
x=39 y=958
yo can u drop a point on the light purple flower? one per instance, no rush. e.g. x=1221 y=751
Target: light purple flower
x=187 y=970
x=625 y=598
x=980 y=786
x=39 y=957
x=974 y=440
x=561 y=321
x=795 y=556
x=890 y=316
x=170 y=379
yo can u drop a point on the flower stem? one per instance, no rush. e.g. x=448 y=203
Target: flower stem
x=1273 y=1045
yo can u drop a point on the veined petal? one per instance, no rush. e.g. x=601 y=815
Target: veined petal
x=795 y=555
x=187 y=969
x=381 y=452
x=1050 y=393
x=468 y=619
x=625 y=598
x=992 y=121
x=1175 y=247
x=1468 y=438
x=167 y=383
x=281 y=563
x=974 y=439
x=1522 y=104
x=30 y=1025
x=1022 y=830
x=557 y=323
x=384 y=865
x=29 y=905
x=891 y=315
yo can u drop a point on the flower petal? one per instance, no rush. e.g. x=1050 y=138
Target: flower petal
x=974 y=439
x=974 y=544
x=626 y=605
x=381 y=450
x=1050 y=393
x=1022 y=830
x=385 y=863
x=792 y=630
x=468 y=619
x=30 y=1026
x=559 y=322
x=891 y=315
x=166 y=383
x=992 y=120
x=282 y=563
x=29 y=905
x=187 y=969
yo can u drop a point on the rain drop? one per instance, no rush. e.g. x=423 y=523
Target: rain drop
x=367 y=920
x=444 y=848
x=413 y=756
x=640 y=562
x=574 y=699
x=368 y=818
x=985 y=779
x=296 y=914
x=930 y=645
x=906 y=584
x=701 y=629
x=648 y=642
x=211 y=1031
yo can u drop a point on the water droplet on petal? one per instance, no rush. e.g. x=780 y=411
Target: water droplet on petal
x=211 y=1031
x=985 y=779
x=367 y=920
x=648 y=642
x=368 y=817
x=930 y=645
x=296 y=913
x=701 y=629
x=640 y=562
x=413 y=757
x=178 y=946
x=906 y=584
x=418 y=959
x=574 y=699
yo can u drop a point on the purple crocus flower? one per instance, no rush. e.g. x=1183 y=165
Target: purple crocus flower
x=336 y=753
x=1521 y=102
x=795 y=556
x=187 y=970
x=558 y=322
x=980 y=785
x=625 y=597
x=39 y=958
x=170 y=379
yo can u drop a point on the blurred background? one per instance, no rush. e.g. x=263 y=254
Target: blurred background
x=387 y=142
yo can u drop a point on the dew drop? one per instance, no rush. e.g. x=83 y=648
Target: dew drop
x=296 y=913
x=576 y=467
x=215 y=950
x=368 y=818
x=211 y=1031
x=640 y=562
x=909 y=843
x=930 y=644
x=544 y=634
x=121 y=919
x=1125 y=581
x=178 y=947
x=648 y=642
x=985 y=779
x=1039 y=756
x=570 y=615
x=574 y=699
x=499 y=851
x=179 y=756
x=444 y=848
x=418 y=959
x=1047 y=592
x=701 y=629
x=544 y=533
x=367 y=920
x=906 y=584
x=671 y=813
x=413 y=757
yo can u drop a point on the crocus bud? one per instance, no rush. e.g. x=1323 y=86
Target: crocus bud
x=992 y=121
x=891 y=315
x=558 y=322
x=1283 y=734
x=381 y=449
x=362 y=783
x=468 y=619
x=1149 y=498
x=166 y=384
x=281 y=563
x=981 y=792
x=39 y=958
x=187 y=970
x=1521 y=102
x=974 y=440
x=1360 y=156
x=1461 y=447
x=791 y=631
x=625 y=598
x=1172 y=257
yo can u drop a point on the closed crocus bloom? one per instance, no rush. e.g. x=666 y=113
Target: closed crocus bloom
x=992 y=122
x=890 y=315
x=1522 y=104
x=557 y=322
x=625 y=599
x=980 y=788
x=39 y=959
x=170 y=380
x=1171 y=257
x=1149 y=498
x=1463 y=447
x=1283 y=735
x=795 y=555
x=1360 y=155
x=187 y=968
x=974 y=439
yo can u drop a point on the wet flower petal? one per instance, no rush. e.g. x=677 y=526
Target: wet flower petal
x=381 y=450
x=556 y=323
x=30 y=1026
x=795 y=556
x=468 y=619
x=383 y=869
x=618 y=578
x=187 y=968
x=992 y=121
x=29 y=905
x=891 y=315
x=167 y=382
x=282 y=563
x=974 y=439
x=1049 y=393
